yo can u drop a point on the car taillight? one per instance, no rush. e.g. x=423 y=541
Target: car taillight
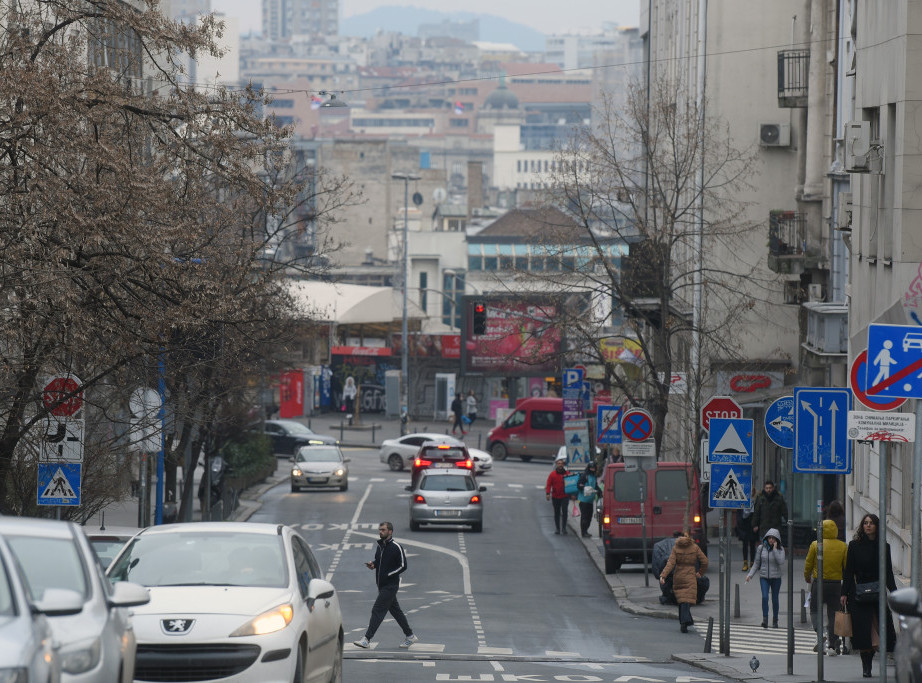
x=475 y=500
x=466 y=464
x=697 y=519
x=606 y=520
x=422 y=463
x=419 y=500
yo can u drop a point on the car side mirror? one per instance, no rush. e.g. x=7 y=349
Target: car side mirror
x=905 y=601
x=318 y=589
x=483 y=488
x=347 y=459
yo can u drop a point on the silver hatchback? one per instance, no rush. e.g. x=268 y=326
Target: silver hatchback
x=319 y=467
x=446 y=496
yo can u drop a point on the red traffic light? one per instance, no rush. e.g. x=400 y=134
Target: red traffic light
x=479 y=308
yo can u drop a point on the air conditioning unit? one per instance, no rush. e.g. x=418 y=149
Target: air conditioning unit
x=774 y=134
x=814 y=292
x=857 y=146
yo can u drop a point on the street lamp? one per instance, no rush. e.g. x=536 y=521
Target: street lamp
x=404 y=339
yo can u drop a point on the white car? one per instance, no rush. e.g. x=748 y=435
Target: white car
x=97 y=644
x=319 y=467
x=232 y=602
x=399 y=453
x=483 y=461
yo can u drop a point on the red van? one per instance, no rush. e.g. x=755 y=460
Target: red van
x=672 y=504
x=533 y=430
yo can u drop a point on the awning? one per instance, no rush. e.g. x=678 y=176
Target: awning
x=351 y=304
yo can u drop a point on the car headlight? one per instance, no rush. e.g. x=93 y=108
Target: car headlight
x=17 y=675
x=340 y=472
x=268 y=622
x=296 y=472
x=82 y=657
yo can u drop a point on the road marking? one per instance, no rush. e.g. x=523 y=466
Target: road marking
x=355 y=518
x=462 y=560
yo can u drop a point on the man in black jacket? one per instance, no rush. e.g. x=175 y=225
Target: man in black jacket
x=389 y=563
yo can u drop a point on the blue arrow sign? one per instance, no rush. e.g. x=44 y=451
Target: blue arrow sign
x=894 y=361
x=779 y=422
x=59 y=483
x=608 y=424
x=730 y=441
x=821 y=430
x=731 y=485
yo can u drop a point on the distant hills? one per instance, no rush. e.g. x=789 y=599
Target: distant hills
x=406 y=20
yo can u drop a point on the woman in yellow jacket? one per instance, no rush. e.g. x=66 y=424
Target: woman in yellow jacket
x=834 y=552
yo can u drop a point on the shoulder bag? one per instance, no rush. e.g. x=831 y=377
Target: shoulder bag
x=867 y=592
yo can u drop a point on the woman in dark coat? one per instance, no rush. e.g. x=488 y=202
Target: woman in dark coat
x=689 y=563
x=861 y=566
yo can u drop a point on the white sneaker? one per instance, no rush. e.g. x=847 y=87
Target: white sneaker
x=363 y=643
x=831 y=652
x=409 y=641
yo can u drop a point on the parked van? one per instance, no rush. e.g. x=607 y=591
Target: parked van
x=671 y=493
x=533 y=430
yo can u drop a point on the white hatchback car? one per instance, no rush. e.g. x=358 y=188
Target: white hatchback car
x=232 y=602
x=399 y=453
x=97 y=644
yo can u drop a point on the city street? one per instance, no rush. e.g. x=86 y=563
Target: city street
x=514 y=602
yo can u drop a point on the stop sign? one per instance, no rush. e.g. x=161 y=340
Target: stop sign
x=59 y=388
x=720 y=407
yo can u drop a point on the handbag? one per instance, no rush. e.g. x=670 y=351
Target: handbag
x=575 y=511
x=867 y=592
x=570 y=484
x=843 y=624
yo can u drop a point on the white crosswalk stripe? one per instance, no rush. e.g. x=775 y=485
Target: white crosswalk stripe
x=753 y=639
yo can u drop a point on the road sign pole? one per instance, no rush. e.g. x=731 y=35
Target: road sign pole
x=882 y=554
x=916 y=498
x=820 y=603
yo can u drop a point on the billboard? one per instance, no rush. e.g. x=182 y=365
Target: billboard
x=521 y=338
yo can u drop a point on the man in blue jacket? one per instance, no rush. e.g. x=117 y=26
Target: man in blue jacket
x=389 y=563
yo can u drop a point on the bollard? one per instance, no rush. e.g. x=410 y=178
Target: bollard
x=340 y=431
x=736 y=601
x=373 y=427
x=803 y=608
x=479 y=437
x=707 y=640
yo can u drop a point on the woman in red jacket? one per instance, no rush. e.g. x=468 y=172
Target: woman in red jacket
x=554 y=492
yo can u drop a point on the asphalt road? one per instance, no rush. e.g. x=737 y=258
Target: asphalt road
x=513 y=603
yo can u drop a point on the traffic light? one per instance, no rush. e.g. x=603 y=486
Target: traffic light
x=480 y=317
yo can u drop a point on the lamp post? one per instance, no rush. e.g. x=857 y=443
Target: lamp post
x=404 y=338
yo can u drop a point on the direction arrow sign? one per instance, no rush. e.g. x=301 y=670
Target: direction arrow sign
x=63 y=440
x=637 y=425
x=59 y=483
x=730 y=441
x=731 y=485
x=894 y=361
x=608 y=424
x=820 y=430
x=871 y=426
x=779 y=422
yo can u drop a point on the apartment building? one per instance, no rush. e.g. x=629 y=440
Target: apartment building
x=286 y=18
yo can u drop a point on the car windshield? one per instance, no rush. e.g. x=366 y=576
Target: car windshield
x=446 y=482
x=202 y=558
x=297 y=428
x=107 y=548
x=35 y=554
x=319 y=455
x=445 y=453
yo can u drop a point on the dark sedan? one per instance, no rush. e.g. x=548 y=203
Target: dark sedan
x=289 y=435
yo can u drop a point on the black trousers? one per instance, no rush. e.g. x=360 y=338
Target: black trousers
x=387 y=602
x=685 y=617
x=831 y=592
x=457 y=424
x=560 y=513
x=585 y=516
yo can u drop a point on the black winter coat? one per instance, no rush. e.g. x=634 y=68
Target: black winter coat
x=861 y=567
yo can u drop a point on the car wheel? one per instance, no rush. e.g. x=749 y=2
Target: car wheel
x=498 y=451
x=295 y=489
x=395 y=462
x=477 y=527
x=414 y=526
x=299 y=666
x=344 y=487
x=336 y=675
x=612 y=563
x=525 y=458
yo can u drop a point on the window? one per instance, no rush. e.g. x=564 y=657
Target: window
x=423 y=284
x=517 y=419
x=475 y=263
x=671 y=485
x=458 y=123
x=303 y=567
x=546 y=419
x=628 y=486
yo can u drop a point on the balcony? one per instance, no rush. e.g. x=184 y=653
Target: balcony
x=827 y=328
x=789 y=251
x=793 y=70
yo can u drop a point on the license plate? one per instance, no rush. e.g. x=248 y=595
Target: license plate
x=629 y=520
x=317 y=480
x=442 y=465
x=448 y=513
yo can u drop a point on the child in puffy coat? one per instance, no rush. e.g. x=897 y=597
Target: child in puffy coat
x=769 y=562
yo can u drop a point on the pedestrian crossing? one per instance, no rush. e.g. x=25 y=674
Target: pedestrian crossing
x=420 y=648
x=753 y=639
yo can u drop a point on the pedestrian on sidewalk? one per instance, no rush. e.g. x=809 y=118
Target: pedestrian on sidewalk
x=457 y=410
x=555 y=491
x=686 y=563
x=836 y=513
x=389 y=563
x=861 y=568
x=748 y=537
x=471 y=405
x=834 y=552
x=769 y=562
x=588 y=485
x=770 y=511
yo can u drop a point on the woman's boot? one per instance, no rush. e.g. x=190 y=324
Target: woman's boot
x=866 y=658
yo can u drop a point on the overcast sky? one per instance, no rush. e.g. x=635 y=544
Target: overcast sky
x=543 y=15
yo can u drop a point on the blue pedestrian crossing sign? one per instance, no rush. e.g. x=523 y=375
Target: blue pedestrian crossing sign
x=731 y=485
x=730 y=441
x=894 y=361
x=608 y=424
x=59 y=483
x=821 y=430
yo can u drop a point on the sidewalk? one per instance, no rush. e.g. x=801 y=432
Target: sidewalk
x=629 y=589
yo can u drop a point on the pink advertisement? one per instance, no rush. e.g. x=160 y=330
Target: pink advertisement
x=522 y=338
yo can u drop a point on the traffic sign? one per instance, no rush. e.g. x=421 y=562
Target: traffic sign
x=857 y=380
x=63 y=395
x=895 y=361
x=572 y=394
x=608 y=424
x=730 y=441
x=820 y=430
x=637 y=425
x=62 y=440
x=779 y=421
x=872 y=426
x=731 y=485
x=59 y=483
x=719 y=406
x=576 y=438
x=639 y=449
